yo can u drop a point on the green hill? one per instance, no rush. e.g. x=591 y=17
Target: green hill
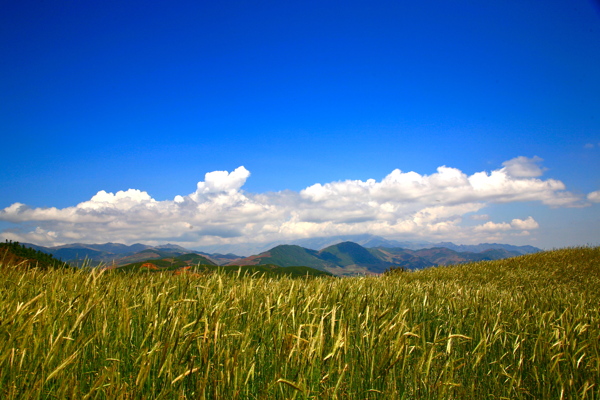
x=14 y=253
x=341 y=259
x=168 y=264
x=287 y=256
x=348 y=254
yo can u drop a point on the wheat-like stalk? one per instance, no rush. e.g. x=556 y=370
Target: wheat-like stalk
x=522 y=328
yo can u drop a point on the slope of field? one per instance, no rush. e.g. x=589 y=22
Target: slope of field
x=520 y=328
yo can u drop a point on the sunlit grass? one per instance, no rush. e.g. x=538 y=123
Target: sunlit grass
x=523 y=328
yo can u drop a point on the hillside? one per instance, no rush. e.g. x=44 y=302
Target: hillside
x=197 y=264
x=571 y=270
x=14 y=253
x=401 y=258
x=286 y=256
x=169 y=263
x=352 y=257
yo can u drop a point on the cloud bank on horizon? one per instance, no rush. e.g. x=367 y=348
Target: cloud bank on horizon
x=442 y=206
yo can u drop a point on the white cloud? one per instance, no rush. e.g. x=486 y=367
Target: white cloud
x=492 y=227
x=122 y=200
x=529 y=223
x=219 y=211
x=221 y=182
x=517 y=227
x=524 y=167
x=447 y=186
x=594 y=197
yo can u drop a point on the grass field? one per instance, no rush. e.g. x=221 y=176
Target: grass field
x=522 y=328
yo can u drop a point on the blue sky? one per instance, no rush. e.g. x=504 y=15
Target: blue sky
x=149 y=96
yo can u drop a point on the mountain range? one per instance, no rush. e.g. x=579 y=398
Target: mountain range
x=374 y=256
x=349 y=258
x=365 y=240
x=121 y=254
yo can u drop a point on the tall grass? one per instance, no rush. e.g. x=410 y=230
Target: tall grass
x=523 y=328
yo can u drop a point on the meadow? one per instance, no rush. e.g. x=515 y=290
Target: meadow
x=520 y=328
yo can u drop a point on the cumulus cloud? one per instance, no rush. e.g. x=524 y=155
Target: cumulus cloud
x=492 y=227
x=594 y=197
x=220 y=211
x=448 y=186
x=221 y=182
x=122 y=200
x=524 y=167
x=515 y=224
x=529 y=223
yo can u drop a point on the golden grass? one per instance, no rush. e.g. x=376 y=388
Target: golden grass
x=523 y=328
